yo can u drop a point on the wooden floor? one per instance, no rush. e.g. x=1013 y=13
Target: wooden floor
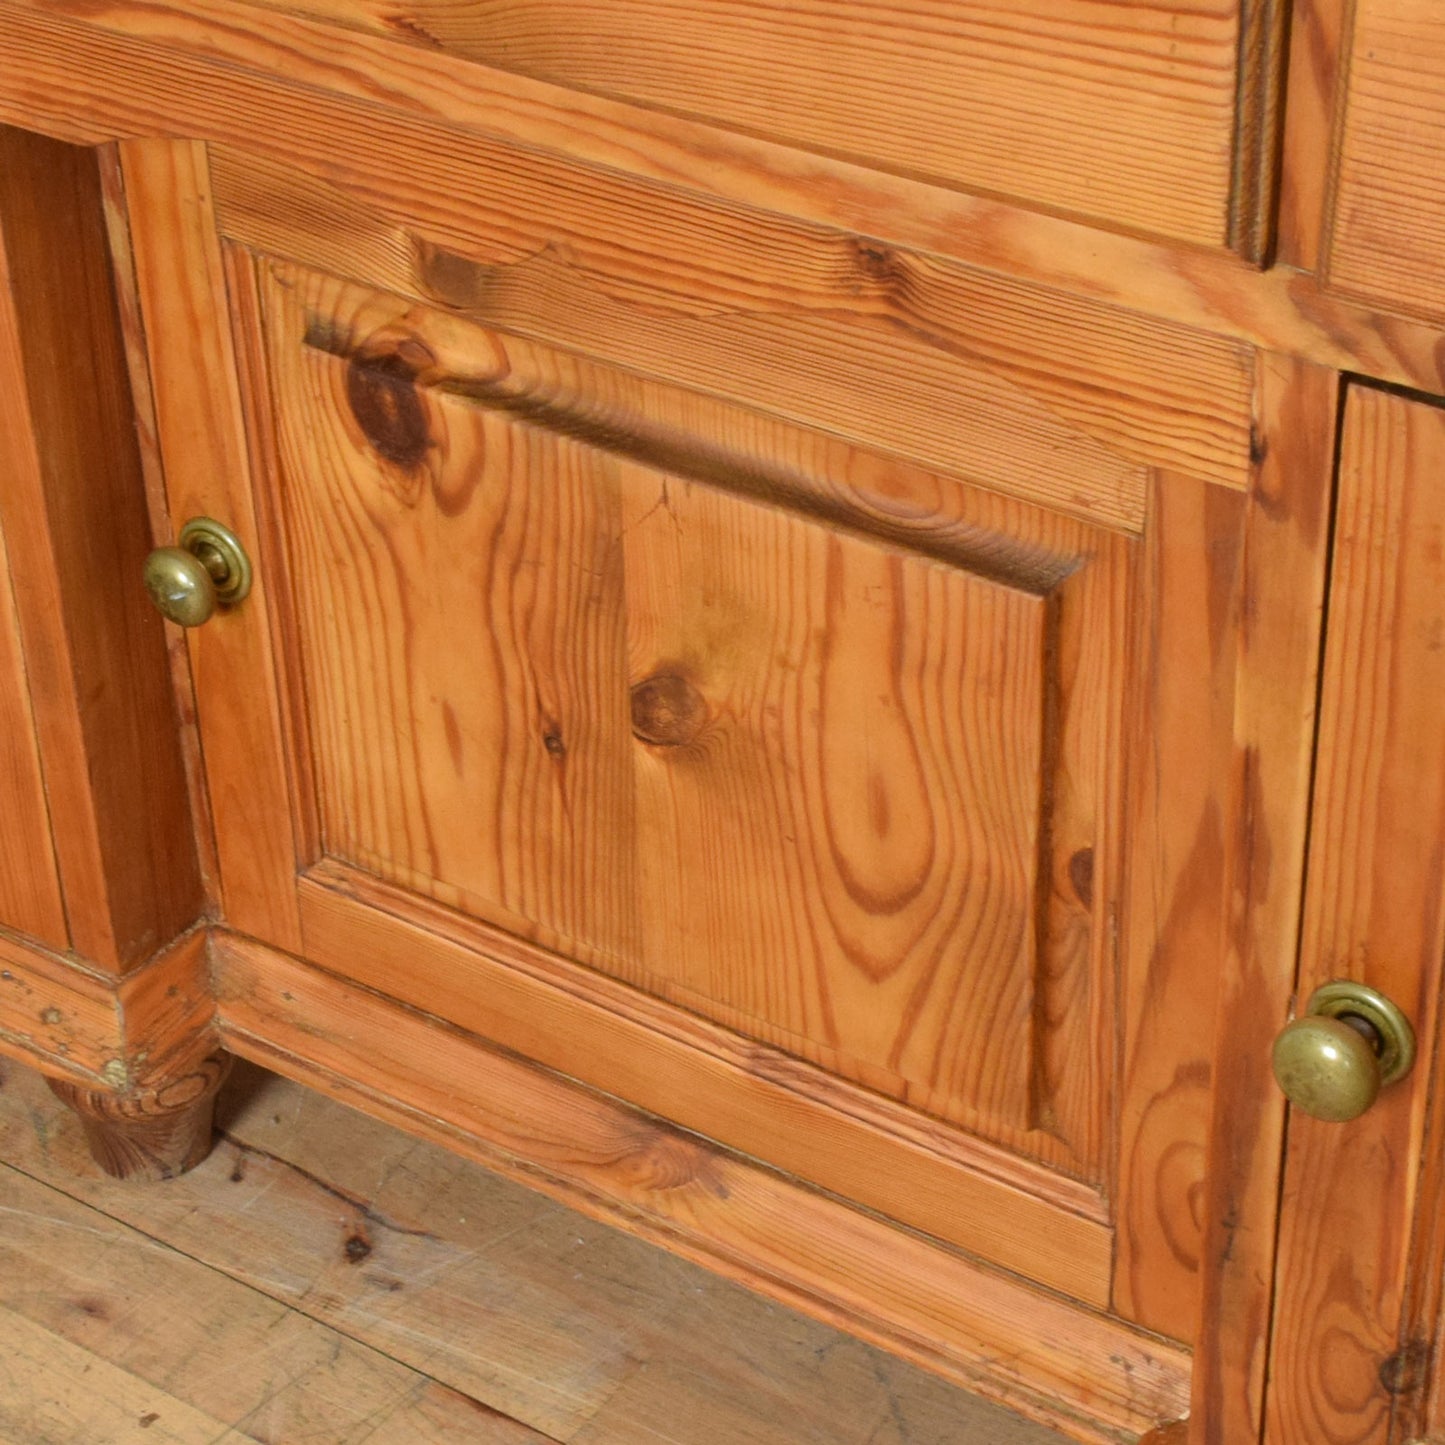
x=325 y=1280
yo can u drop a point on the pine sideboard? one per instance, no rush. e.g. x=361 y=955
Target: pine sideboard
x=844 y=618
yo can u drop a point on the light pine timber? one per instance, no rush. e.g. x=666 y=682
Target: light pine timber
x=1387 y=240
x=1361 y=1223
x=1179 y=737
x=423 y=822
x=1011 y=545
x=1276 y=651
x=1315 y=91
x=30 y=899
x=76 y=533
x=198 y=421
x=1125 y=115
x=686 y=784
x=1000 y=1206
x=324 y=1276
x=823 y=303
x=211 y=68
x=987 y=378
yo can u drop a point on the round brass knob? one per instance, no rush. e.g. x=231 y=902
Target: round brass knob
x=208 y=569
x=1351 y=1043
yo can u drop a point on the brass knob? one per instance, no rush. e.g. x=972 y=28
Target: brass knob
x=208 y=569
x=1351 y=1043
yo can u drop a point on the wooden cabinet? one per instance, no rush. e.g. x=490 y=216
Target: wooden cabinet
x=787 y=697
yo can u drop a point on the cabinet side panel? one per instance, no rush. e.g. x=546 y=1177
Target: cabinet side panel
x=73 y=503
x=29 y=885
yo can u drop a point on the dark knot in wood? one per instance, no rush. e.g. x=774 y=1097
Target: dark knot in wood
x=667 y=710
x=381 y=390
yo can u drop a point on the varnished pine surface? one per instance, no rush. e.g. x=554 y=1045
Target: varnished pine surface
x=211 y=67
x=323 y=1277
x=1389 y=216
x=1122 y=113
x=76 y=528
x=1360 y=1295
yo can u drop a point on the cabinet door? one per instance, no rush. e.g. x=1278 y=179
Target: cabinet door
x=1363 y=1228
x=788 y=684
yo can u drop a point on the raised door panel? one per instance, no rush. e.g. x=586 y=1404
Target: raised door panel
x=1134 y=114
x=1363 y=1228
x=568 y=673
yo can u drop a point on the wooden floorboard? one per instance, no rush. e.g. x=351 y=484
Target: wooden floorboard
x=325 y=1280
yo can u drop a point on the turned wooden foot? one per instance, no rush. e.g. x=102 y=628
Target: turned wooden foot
x=154 y=1130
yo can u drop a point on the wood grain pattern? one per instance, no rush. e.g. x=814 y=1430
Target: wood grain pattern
x=30 y=899
x=1030 y=1350
x=200 y=428
x=1027 y=373
x=1317 y=71
x=1276 y=645
x=655 y=690
x=1349 y=1368
x=768 y=285
x=155 y=1130
x=1180 y=736
x=1001 y=1207
x=76 y=531
x=1126 y=114
x=1388 y=236
x=214 y=66
x=657 y=752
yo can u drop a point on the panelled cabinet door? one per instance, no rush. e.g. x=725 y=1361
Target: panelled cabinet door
x=788 y=685
x=1356 y=1339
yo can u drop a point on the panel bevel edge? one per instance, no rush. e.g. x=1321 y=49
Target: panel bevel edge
x=1037 y=570
x=1098 y=1378
x=249 y=327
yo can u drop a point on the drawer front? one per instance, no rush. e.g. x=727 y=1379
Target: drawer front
x=1122 y=112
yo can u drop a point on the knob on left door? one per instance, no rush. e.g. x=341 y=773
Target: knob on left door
x=207 y=569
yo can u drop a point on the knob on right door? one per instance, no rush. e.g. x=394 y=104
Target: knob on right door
x=1350 y=1043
